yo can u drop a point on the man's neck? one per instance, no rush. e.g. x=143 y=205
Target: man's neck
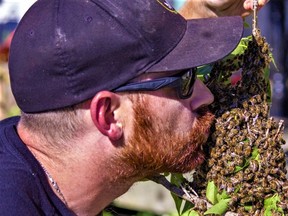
x=85 y=178
x=94 y=190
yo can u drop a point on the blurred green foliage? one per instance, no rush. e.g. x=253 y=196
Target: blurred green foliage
x=8 y=105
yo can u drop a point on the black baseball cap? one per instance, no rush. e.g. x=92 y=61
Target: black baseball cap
x=65 y=51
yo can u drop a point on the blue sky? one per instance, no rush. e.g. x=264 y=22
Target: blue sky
x=13 y=9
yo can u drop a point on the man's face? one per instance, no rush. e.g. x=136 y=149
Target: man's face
x=166 y=139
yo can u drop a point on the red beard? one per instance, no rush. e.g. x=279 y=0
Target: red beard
x=156 y=148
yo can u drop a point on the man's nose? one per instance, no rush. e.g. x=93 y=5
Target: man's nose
x=201 y=96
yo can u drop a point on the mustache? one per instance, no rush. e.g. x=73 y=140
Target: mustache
x=205 y=117
x=203 y=111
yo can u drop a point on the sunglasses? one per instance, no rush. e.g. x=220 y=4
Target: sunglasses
x=184 y=83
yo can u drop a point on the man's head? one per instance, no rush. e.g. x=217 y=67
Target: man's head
x=65 y=51
x=96 y=54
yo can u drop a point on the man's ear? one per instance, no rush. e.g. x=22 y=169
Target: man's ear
x=102 y=109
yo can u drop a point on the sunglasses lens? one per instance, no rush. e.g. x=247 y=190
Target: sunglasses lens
x=188 y=80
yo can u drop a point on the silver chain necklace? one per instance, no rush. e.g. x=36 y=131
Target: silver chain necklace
x=53 y=182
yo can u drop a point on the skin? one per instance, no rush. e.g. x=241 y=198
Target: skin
x=215 y=8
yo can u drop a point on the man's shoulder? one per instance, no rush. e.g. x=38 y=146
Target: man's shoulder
x=15 y=174
x=17 y=186
x=11 y=162
x=22 y=189
x=9 y=121
x=6 y=125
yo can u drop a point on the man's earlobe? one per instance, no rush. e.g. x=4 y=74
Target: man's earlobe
x=102 y=109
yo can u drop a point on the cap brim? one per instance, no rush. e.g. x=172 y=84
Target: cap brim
x=205 y=41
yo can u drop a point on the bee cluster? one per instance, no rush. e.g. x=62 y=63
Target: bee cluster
x=245 y=157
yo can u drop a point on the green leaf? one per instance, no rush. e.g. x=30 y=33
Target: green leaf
x=211 y=192
x=246 y=140
x=166 y=174
x=190 y=213
x=145 y=214
x=238 y=50
x=273 y=61
x=242 y=46
x=187 y=206
x=202 y=71
x=105 y=213
x=269 y=89
x=246 y=25
x=178 y=203
x=255 y=154
x=247 y=208
x=238 y=187
x=177 y=179
x=223 y=195
x=181 y=205
x=238 y=168
x=270 y=205
x=218 y=209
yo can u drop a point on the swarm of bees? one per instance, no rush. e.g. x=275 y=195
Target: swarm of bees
x=245 y=157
